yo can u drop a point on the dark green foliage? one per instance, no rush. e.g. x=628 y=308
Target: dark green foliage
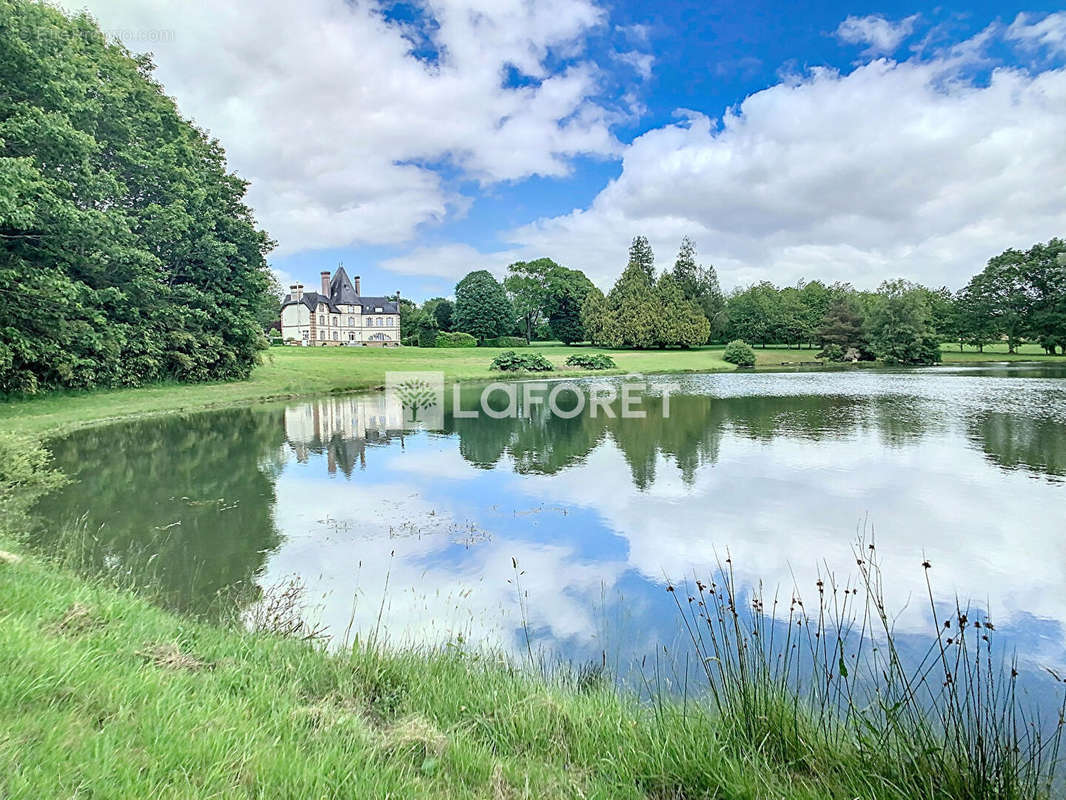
x=843 y=327
x=427 y=332
x=481 y=307
x=698 y=283
x=1019 y=295
x=454 y=339
x=506 y=341
x=642 y=258
x=569 y=288
x=132 y=252
x=901 y=329
x=510 y=361
x=740 y=353
x=443 y=314
x=680 y=322
x=591 y=361
x=640 y=312
x=411 y=317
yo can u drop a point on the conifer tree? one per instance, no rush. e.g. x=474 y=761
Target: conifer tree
x=641 y=257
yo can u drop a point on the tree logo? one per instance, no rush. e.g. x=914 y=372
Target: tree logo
x=420 y=394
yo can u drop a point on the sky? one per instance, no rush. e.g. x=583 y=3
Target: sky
x=416 y=141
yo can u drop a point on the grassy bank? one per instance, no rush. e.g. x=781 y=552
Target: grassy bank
x=293 y=372
x=297 y=371
x=105 y=695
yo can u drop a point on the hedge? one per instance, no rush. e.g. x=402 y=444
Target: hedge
x=455 y=339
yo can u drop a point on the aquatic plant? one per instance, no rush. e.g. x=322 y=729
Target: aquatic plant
x=817 y=683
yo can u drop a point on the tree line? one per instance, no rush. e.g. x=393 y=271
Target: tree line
x=1019 y=297
x=127 y=253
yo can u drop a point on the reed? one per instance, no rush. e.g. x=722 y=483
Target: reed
x=825 y=686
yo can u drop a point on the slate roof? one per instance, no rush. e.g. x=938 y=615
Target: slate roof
x=342 y=293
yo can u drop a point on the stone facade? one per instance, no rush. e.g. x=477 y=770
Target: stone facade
x=339 y=315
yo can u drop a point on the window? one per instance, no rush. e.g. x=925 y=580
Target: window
x=321 y=319
x=335 y=336
x=391 y=321
x=351 y=322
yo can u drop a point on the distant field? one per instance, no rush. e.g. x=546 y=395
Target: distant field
x=295 y=371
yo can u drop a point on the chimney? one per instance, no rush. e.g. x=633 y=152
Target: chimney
x=325 y=283
x=358 y=291
x=297 y=291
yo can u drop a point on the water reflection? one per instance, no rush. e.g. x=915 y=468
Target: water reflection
x=962 y=468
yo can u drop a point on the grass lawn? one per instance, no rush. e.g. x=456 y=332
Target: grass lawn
x=297 y=371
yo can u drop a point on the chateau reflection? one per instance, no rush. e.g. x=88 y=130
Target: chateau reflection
x=342 y=428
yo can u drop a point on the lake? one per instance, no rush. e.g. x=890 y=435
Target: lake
x=417 y=534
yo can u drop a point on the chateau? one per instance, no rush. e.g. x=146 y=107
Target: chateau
x=339 y=314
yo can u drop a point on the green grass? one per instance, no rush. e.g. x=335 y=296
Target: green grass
x=297 y=371
x=104 y=695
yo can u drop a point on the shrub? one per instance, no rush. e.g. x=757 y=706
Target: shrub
x=507 y=341
x=410 y=341
x=510 y=361
x=455 y=339
x=832 y=352
x=740 y=353
x=591 y=361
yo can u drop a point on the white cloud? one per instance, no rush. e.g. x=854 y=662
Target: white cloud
x=449 y=261
x=893 y=169
x=641 y=63
x=325 y=108
x=1050 y=32
x=882 y=35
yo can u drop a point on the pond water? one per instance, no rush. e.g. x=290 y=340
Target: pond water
x=417 y=533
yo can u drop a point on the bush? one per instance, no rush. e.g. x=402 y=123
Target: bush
x=832 y=352
x=410 y=341
x=455 y=339
x=740 y=353
x=510 y=361
x=507 y=341
x=591 y=361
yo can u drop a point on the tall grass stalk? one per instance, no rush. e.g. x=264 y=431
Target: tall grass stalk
x=806 y=684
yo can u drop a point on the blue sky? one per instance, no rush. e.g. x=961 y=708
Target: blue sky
x=416 y=141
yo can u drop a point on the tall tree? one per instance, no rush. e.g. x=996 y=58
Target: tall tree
x=843 y=325
x=481 y=307
x=130 y=244
x=680 y=321
x=527 y=285
x=632 y=308
x=686 y=272
x=642 y=258
x=568 y=289
x=443 y=314
x=596 y=319
x=901 y=330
